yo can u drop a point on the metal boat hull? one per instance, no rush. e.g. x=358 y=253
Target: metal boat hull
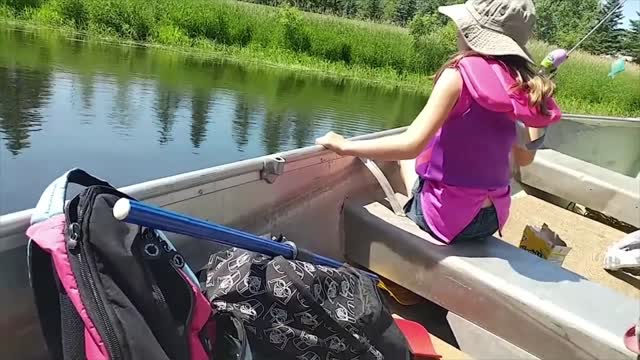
x=305 y=202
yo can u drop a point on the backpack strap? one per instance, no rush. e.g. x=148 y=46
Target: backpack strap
x=52 y=200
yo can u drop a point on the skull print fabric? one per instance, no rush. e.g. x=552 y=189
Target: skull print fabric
x=297 y=309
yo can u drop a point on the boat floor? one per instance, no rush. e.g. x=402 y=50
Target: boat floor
x=433 y=318
x=587 y=238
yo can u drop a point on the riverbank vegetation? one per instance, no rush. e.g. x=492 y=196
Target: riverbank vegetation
x=372 y=52
x=562 y=23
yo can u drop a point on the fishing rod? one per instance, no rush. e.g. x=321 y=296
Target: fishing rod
x=597 y=26
x=142 y=214
x=557 y=57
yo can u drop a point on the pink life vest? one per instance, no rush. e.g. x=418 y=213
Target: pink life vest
x=468 y=159
x=491 y=85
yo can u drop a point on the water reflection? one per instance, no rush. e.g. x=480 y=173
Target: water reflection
x=83 y=89
x=302 y=125
x=200 y=103
x=24 y=93
x=242 y=122
x=122 y=116
x=107 y=108
x=167 y=103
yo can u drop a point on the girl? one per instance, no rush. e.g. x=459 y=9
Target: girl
x=457 y=151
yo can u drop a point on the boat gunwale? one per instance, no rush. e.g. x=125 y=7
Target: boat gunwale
x=15 y=222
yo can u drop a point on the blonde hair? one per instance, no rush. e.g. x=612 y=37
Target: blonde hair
x=539 y=88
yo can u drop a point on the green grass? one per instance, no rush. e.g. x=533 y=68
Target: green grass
x=286 y=38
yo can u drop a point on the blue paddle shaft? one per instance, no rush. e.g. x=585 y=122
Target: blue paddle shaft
x=138 y=213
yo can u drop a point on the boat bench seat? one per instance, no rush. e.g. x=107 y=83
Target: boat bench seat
x=508 y=292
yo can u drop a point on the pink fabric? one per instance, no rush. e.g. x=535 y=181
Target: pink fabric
x=449 y=209
x=484 y=85
x=50 y=236
x=490 y=84
x=631 y=340
x=201 y=314
x=92 y=349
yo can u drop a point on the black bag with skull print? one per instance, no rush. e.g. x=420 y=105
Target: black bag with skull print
x=296 y=310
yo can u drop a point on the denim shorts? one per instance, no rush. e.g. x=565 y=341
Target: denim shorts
x=483 y=225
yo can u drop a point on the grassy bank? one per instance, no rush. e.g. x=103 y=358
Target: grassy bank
x=333 y=46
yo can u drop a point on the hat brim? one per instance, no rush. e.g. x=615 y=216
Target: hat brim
x=481 y=39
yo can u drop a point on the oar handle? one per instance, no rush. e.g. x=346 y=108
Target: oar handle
x=138 y=213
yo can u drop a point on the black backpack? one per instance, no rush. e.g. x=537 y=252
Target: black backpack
x=105 y=289
x=296 y=310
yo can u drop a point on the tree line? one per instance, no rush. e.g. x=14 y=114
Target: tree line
x=559 y=22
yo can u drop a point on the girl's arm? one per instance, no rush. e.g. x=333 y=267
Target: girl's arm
x=521 y=155
x=408 y=144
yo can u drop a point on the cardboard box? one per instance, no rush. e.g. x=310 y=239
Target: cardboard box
x=544 y=243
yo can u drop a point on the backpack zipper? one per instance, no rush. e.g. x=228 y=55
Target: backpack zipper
x=87 y=275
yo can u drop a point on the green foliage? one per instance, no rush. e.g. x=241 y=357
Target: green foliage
x=404 y=12
x=46 y=15
x=6 y=12
x=633 y=39
x=342 y=47
x=609 y=37
x=422 y=25
x=243 y=35
x=350 y=8
x=198 y=19
x=20 y=5
x=372 y=9
x=564 y=22
x=294 y=33
x=74 y=11
x=331 y=46
x=170 y=34
x=131 y=19
x=433 y=48
x=430 y=7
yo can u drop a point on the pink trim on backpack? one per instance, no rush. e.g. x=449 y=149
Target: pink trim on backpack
x=199 y=318
x=50 y=236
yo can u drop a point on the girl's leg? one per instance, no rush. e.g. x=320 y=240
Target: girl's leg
x=408 y=173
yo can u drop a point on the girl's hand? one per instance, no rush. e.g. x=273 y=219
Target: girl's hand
x=333 y=142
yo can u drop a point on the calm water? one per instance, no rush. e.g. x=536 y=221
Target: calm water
x=130 y=114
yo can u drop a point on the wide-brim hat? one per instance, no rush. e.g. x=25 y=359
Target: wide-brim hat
x=495 y=27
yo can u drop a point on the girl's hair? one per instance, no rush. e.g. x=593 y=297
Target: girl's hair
x=538 y=87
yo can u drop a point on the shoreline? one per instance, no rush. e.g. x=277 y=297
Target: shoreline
x=250 y=57
x=375 y=55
